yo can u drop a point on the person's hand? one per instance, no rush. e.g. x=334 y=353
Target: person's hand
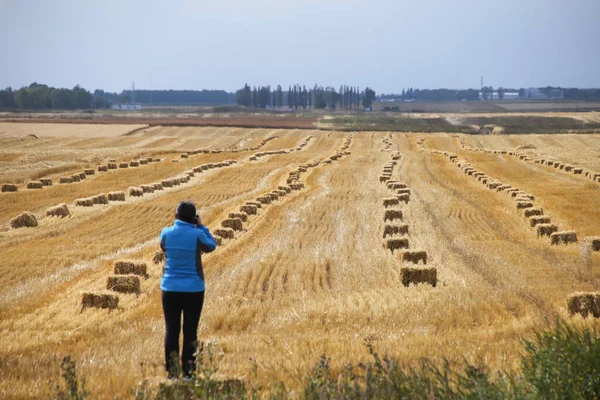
x=196 y=221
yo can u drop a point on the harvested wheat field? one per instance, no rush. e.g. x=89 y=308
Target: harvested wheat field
x=311 y=261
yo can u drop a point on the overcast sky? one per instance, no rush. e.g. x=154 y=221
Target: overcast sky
x=385 y=44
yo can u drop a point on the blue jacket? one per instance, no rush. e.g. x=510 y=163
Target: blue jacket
x=183 y=244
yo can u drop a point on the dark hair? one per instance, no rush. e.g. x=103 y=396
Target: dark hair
x=186 y=211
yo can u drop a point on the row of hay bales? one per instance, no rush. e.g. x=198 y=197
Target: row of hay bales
x=124 y=279
x=78 y=177
x=387 y=142
x=28 y=219
x=560 y=166
x=524 y=202
x=396 y=230
x=261 y=154
x=254 y=148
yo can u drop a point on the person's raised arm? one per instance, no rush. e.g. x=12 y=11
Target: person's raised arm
x=206 y=239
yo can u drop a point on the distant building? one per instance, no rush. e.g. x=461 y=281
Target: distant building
x=534 y=94
x=556 y=94
x=126 y=106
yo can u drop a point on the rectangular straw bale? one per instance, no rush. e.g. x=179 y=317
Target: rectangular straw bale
x=124 y=284
x=116 y=196
x=396 y=244
x=391 y=215
x=60 y=210
x=46 y=181
x=123 y=165
x=167 y=183
x=416 y=275
x=99 y=300
x=584 y=303
x=89 y=171
x=391 y=230
x=100 y=199
x=565 y=237
x=233 y=223
x=147 y=188
x=9 y=187
x=157 y=186
x=65 y=179
x=130 y=267
x=85 y=202
x=249 y=209
x=391 y=201
x=413 y=256
x=594 y=242
x=535 y=220
x=135 y=191
x=546 y=229
x=34 y=185
x=102 y=168
x=111 y=165
x=226 y=233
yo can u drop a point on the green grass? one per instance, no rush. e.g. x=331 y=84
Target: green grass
x=391 y=122
x=534 y=124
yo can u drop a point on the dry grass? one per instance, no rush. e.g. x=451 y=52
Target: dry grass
x=307 y=275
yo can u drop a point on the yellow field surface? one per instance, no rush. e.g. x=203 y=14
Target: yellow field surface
x=309 y=274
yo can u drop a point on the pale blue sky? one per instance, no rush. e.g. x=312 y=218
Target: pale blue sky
x=386 y=44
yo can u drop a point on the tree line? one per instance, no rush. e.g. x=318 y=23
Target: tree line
x=487 y=94
x=38 y=97
x=301 y=97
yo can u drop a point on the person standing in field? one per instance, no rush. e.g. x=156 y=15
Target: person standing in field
x=183 y=285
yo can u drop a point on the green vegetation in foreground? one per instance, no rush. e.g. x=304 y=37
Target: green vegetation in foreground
x=534 y=124
x=390 y=122
x=558 y=363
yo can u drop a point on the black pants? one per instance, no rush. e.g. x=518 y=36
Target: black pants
x=174 y=303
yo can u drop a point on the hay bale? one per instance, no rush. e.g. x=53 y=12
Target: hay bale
x=404 y=197
x=24 y=220
x=233 y=223
x=249 y=209
x=85 y=202
x=593 y=242
x=391 y=201
x=124 y=284
x=242 y=216
x=46 y=181
x=272 y=195
x=493 y=185
x=9 y=187
x=75 y=178
x=530 y=212
x=116 y=196
x=414 y=256
x=384 y=178
x=123 y=165
x=226 y=233
x=134 y=164
x=395 y=230
x=577 y=171
x=111 y=165
x=105 y=301
x=34 y=185
x=100 y=199
x=82 y=175
x=391 y=215
x=584 y=303
x=546 y=229
x=147 y=188
x=264 y=199
x=89 y=172
x=184 y=156
x=396 y=244
x=143 y=161
x=150 y=159
x=254 y=203
x=297 y=186
x=157 y=186
x=403 y=191
x=565 y=237
x=533 y=221
x=65 y=179
x=159 y=257
x=135 y=191
x=416 y=275
x=166 y=183
x=130 y=267
x=524 y=204
x=287 y=189
x=60 y=211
